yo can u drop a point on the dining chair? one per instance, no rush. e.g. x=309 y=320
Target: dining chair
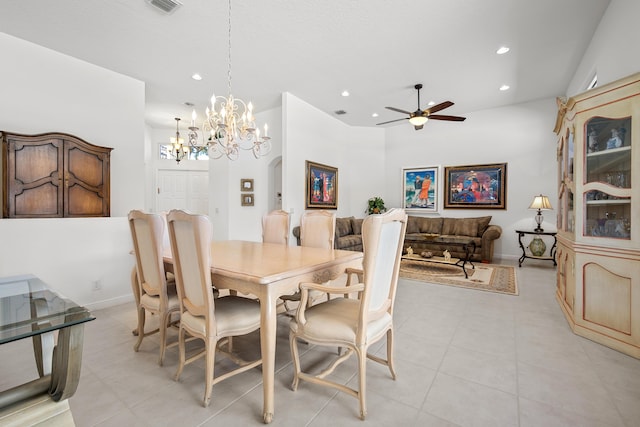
x=275 y=227
x=317 y=230
x=202 y=316
x=355 y=323
x=153 y=293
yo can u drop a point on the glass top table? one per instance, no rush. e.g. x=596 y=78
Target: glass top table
x=31 y=309
x=28 y=307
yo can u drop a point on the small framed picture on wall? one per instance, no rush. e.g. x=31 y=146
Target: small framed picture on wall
x=246 y=184
x=246 y=199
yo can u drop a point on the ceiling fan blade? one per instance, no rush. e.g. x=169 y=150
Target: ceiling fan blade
x=438 y=107
x=450 y=118
x=391 y=121
x=398 y=110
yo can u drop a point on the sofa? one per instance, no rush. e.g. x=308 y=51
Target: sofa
x=422 y=231
x=348 y=234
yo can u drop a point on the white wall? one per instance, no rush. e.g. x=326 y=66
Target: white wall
x=613 y=51
x=520 y=135
x=358 y=153
x=230 y=219
x=45 y=91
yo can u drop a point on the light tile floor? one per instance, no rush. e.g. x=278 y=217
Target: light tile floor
x=463 y=357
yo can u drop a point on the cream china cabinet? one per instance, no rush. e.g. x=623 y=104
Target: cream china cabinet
x=598 y=255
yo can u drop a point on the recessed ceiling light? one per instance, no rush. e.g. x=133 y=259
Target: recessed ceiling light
x=430 y=103
x=504 y=87
x=374 y=115
x=345 y=93
x=196 y=76
x=502 y=50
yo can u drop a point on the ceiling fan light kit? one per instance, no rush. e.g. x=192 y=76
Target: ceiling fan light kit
x=418 y=120
x=419 y=117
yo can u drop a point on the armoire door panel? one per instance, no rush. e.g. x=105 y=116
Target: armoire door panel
x=54 y=175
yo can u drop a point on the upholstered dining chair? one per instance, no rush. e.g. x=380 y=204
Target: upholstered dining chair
x=275 y=227
x=153 y=293
x=355 y=323
x=202 y=316
x=317 y=230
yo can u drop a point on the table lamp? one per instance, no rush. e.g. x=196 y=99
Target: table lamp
x=541 y=203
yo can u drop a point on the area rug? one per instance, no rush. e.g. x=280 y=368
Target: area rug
x=485 y=277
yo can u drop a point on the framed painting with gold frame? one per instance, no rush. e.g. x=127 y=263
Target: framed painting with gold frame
x=476 y=186
x=321 y=186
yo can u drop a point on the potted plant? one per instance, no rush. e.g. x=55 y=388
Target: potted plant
x=376 y=205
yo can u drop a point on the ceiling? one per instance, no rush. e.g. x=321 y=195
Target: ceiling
x=315 y=49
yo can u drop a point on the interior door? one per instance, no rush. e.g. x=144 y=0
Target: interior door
x=183 y=189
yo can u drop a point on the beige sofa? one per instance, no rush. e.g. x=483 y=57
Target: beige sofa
x=422 y=230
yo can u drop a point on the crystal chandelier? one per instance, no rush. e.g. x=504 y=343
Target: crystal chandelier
x=178 y=149
x=232 y=125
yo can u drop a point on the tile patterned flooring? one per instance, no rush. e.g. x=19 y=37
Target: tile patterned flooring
x=464 y=358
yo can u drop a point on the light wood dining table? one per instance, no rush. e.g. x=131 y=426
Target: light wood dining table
x=269 y=270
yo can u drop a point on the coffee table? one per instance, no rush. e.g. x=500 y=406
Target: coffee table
x=468 y=246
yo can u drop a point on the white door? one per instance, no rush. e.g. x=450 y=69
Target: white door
x=183 y=190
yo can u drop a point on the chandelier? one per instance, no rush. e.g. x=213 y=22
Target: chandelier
x=193 y=130
x=178 y=149
x=232 y=125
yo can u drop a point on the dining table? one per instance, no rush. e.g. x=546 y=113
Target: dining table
x=268 y=271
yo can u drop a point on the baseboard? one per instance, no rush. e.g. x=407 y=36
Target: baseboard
x=98 y=305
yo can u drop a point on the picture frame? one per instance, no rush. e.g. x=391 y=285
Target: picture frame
x=246 y=199
x=321 y=186
x=476 y=186
x=421 y=189
x=246 y=184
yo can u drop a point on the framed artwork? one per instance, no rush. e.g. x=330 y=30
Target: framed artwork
x=246 y=184
x=476 y=186
x=321 y=186
x=420 y=188
x=246 y=199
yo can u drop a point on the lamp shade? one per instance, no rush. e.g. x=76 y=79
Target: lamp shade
x=541 y=203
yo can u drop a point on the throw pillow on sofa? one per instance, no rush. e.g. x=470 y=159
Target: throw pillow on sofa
x=343 y=226
x=356 y=225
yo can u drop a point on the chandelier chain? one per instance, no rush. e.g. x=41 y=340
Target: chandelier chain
x=229 y=38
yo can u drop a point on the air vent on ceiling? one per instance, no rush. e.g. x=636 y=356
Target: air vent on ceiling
x=339 y=112
x=167 y=6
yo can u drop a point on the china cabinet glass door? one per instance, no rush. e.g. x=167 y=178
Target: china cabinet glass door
x=607 y=180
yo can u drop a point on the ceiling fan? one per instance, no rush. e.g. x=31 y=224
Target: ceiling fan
x=419 y=117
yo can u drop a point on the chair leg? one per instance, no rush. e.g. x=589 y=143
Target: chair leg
x=163 y=336
x=210 y=358
x=181 y=352
x=390 y=353
x=141 y=320
x=362 y=372
x=293 y=342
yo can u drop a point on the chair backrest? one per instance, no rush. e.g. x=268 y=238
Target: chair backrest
x=318 y=229
x=190 y=237
x=275 y=227
x=382 y=240
x=147 y=230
